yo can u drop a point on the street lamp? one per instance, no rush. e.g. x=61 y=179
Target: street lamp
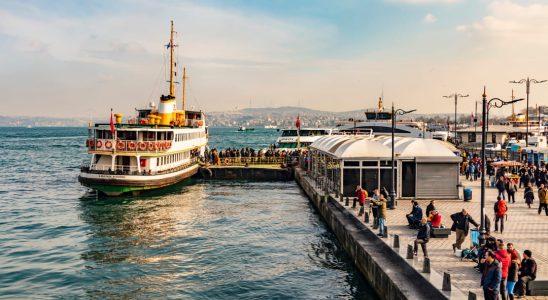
x=399 y=112
x=494 y=102
x=456 y=96
x=527 y=82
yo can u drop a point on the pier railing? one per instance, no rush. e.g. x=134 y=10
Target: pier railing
x=256 y=160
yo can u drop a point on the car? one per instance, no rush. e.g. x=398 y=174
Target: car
x=493 y=147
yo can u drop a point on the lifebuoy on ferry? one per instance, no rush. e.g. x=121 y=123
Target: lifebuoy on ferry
x=162 y=145
x=131 y=146
x=156 y=145
x=226 y=161
x=120 y=145
x=200 y=123
x=99 y=144
x=168 y=144
x=108 y=144
x=91 y=143
x=87 y=143
x=142 y=146
x=150 y=146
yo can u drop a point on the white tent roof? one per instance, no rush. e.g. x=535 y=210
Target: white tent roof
x=344 y=147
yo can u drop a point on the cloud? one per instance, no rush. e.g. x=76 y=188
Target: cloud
x=429 y=18
x=511 y=24
x=425 y=1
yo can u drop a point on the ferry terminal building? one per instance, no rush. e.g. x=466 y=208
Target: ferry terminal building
x=424 y=168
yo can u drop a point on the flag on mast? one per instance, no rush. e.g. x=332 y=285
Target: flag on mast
x=298 y=125
x=111 y=123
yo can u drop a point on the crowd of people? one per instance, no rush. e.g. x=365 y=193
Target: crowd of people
x=247 y=154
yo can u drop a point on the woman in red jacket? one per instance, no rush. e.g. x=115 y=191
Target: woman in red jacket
x=435 y=219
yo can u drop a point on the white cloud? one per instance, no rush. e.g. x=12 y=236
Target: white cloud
x=425 y=1
x=429 y=18
x=510 y=24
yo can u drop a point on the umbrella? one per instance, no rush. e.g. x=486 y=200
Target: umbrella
x=508 y=163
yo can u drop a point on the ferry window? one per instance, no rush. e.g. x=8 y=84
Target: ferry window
x=170 y=135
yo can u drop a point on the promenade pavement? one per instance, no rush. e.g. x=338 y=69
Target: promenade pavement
x=524 y=227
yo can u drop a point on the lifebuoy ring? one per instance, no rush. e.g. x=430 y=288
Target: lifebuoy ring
x=168 y=144
x=226 y=161
x=156 y=146
x=87 y=142
x=200 y=123
x=120 y=145
x=131 y=146
x=162 y=145
x=142 y=146
x=150 y=146
x=108 y=144
x=91 y=143
x=99 y=144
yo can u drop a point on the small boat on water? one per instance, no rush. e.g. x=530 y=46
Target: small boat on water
x=270 y=127
x=245 y=129
x=159 y=147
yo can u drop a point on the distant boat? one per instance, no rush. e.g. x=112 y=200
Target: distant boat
x=270 y=127
x=29 y=126
x=245 y=129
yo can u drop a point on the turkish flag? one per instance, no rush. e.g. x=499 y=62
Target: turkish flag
x=111 y=122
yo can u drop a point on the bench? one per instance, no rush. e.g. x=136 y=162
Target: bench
x=440 y=232
x=539 y=287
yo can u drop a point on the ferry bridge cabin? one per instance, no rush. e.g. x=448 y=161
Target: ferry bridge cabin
x=424 y=168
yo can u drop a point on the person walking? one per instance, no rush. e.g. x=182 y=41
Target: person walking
x=375 y=209
x=512 y=278
x=381 y=213
x=500 y=214
x=423 y=235
x=511 y=191
x=504 y=258
x=542 y=199
x=492 y=276
x=361 y=195
x=527 y=272
x=461 y=226
x=501 y=186
x=529 y=195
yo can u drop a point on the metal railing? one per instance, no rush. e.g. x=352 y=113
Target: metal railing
x=128 y=145
x=131 y=170
x=256 y=160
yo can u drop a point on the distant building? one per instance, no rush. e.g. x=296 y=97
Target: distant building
x=495 y=134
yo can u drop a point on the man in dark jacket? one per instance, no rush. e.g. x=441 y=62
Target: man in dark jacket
x=422 y=237
x=415 y=216
x=490 y=281
x=461 y=224
x=527 y=272
x=501 y=187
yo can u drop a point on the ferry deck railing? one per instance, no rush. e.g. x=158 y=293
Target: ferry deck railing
x=87 y=167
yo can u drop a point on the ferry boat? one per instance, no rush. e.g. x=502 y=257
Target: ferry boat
x=379 y=122
x=293 y=139
x=245 y=129
x=159 y=147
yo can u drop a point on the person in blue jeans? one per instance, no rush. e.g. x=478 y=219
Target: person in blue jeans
x=381 y=213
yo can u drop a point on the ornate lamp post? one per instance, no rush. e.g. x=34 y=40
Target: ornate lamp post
x=486 y=104
x=456 y=96
x=527 y=82
x=399 y=112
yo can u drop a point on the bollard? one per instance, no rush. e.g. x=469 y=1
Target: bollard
x=347 y=202
x=341 y=198
x=366 y=217
x=396 y=241
x=409 y=252
x=385 y=232
x=426 y=265
x=446 y=282
x=472 y=296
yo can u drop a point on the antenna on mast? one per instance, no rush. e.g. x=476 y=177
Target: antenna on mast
x=184 y=88
x=171 y=46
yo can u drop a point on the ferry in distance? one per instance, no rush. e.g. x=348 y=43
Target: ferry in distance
x=159 y=147
x=293 y=138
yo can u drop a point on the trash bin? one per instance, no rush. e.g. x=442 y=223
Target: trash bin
x=467 y=194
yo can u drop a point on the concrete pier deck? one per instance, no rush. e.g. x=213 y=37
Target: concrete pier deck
x=525 y=228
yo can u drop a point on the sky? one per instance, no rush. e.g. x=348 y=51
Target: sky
x=69 y=58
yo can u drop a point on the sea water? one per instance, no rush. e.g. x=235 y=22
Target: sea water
x=194 y=240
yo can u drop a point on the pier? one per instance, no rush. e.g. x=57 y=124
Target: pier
x=250 y=168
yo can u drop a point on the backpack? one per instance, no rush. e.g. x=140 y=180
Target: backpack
x=501 y=208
